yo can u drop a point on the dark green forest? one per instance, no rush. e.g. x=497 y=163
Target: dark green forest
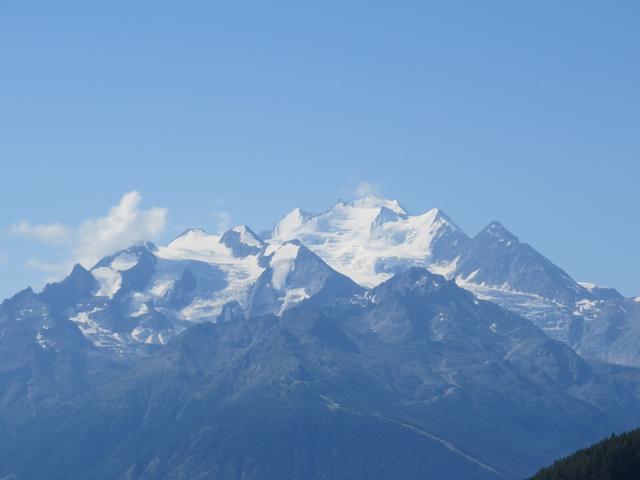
x=616 y=458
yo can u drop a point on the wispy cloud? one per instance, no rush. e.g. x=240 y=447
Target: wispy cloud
x=367 y=189
x=52 y=268
x=50 y=233
x=222 y=220
x=53 y=271
x=124 y=225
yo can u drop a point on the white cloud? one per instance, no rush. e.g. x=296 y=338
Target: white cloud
x=52 y=268
x=50 y=233
x=124 y=225
x=367 y=189
x=223 y=220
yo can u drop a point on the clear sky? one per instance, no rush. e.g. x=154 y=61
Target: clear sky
x=223 y=113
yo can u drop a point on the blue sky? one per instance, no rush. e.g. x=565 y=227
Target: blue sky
x=236 y=112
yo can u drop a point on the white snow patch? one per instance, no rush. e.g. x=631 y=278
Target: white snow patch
x=588 y=286
x=201 y=309
x=109 y=280
x=124 y=261
x=240 y=273
x=293 y=296
x=586 y=307
x=142 y=309
x=446 y=269
x=44 y=342
x=161 y=287
x=330 y=403
x=148 y=336
x=246 y=236
x=282 y=263
x=470 y=277
x=136 y=334
x=99 y=336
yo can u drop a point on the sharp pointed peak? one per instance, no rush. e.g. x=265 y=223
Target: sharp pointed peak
x=244 y=230
x=291 y=220
x=240 y=228
x=299 y=212
x=23 y=294
x=437 y=217
x=244 y=234
x=78 y=268
x=439 y=214
x=148 y=245
x=197 y=231
x=412 y=279
x=138 y=249
x=190 y=231
x=496 y=230
x=242 y=241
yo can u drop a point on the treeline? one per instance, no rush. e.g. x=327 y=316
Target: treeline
x=616 y=458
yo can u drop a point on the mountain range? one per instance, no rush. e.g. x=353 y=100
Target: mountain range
x=361 y=342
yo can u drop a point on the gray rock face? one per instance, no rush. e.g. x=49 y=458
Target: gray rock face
x=413 y=379
x=597 y=322
x=44 y=357
x=306 y=278
x=243 y=242
x=497 y=258
x=373 y=238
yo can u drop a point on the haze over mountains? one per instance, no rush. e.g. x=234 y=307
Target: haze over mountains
x=361 y=342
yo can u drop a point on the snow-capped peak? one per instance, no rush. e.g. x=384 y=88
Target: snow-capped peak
x=497 y=231
x=242 y=241
x=291 y=221
x=189 y=232
x=368 y=239
x=376 y=201
x=193 y=238
x=247 y=236
x=108 y=271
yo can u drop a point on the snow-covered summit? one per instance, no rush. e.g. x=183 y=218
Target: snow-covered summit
x=371 y=238
x=243 y=241
x=147 y=293
x=376 y=201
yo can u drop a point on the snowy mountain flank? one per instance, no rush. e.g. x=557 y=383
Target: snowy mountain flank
x=361 y=342
x=147 y=294
x=373 y=238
